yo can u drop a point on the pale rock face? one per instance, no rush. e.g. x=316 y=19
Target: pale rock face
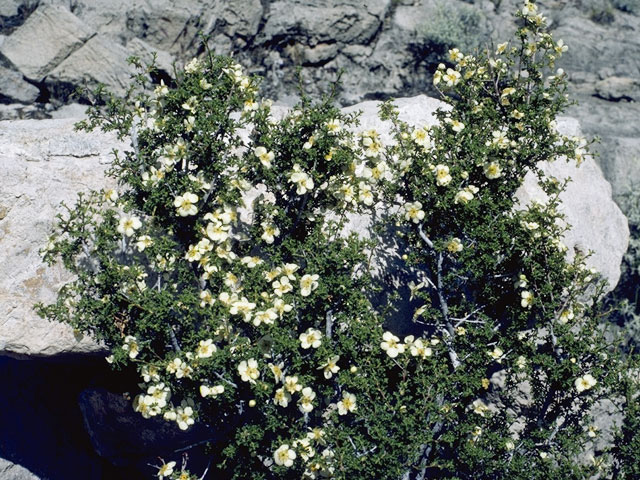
x=385 y=48
x=48 y=36
x=13 y=88
x=326 y=20
x=9 y=8
x=597 y=222
x=98 y=60
x=45 y=162
x=12 y=471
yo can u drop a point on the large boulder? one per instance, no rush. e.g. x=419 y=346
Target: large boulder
x=326 y=21
x=99 y=60
x=597 y=224
x=43 y=162
x=47 y=162
x=48 y=36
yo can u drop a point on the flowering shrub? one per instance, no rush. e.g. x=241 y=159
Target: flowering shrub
x=222 y=271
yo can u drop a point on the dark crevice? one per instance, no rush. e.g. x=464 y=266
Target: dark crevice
x=41 y=427
x=44 y=95
x=266 y=10
x=617 y=99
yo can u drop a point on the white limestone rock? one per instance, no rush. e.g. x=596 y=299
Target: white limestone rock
x=48 y=36
x=99 y=60
x=597 y=224
x=12 y=471
x=43 y=162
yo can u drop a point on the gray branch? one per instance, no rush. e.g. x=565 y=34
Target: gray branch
x=444 y=308
x=225 y=380
x=329 y=324
x=424 y=237
x=174 y=340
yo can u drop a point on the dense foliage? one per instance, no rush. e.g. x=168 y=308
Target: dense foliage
x=223 y=270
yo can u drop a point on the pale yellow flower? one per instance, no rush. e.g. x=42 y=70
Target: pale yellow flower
x=330 y=367
x=284 y=456
x=248 y=370
x=454 y=245
x=391 y=344
x=311 y=338
x=131 y=346
x=270 y=232
x=205 y=349
x=419 y=349
x=442 y=175
x=166 y=470
x=185 y=204
x=308 y=283
x=414 y=212
x=479 y=407
x=527 y=299
x=496 y=354
x=347 y=404
x=291 y=384
x=333 y=126
x=585 y=382
x=128 y=225
x=207 y=391
x=492 y=170
x=306 y=400
x=282 y=397
x=451 y=77
x=302 y=180
x=264 y=156
x=277 y=370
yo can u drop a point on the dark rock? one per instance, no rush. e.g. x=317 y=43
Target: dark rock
x=41 y=429
x=124 y=437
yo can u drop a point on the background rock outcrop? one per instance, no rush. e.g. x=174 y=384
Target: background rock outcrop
x=378 y=49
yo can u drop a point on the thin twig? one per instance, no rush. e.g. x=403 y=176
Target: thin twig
x=424 y=237
x=444 y=308
x=204 y=474
x=329 y=325
x=225 y=380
